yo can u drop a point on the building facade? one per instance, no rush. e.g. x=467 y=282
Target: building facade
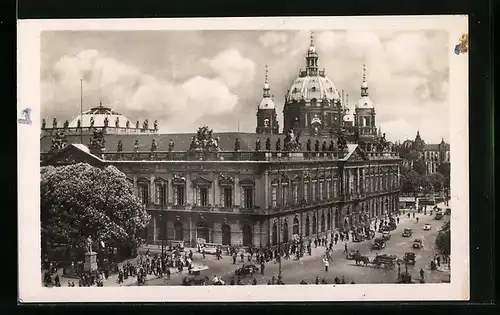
x=432 y=154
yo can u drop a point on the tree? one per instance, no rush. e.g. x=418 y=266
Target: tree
x=78 y=201
x=420 y=167
x=410 y=181
x=436 y=180
x=443 y=241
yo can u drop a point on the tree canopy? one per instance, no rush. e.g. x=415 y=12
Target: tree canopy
x=80 y=200
x=443 y=241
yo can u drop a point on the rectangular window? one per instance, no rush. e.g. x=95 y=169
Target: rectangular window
x=306 y=192
x=321 y=190
x=284 y=195
x=314 y=196
x=295 y=194
x=179 y=195
x=328 y=189
x=161 y=193
x=227 y=197
x=248 y=197
x=274 y=196
x=144 y=193
x=202 y=199
x=335 y=191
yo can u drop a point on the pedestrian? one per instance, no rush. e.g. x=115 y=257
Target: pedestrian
x=422 y=273
x=203 y=252
x=417 y=220
x=254 y=281
x=262 y=266
x=234 y=258
x=242 y=256
x=273 y=280
x=325 y=261
x=317 y=280
x=343 y=280
x=397 y=220
x=345 y=248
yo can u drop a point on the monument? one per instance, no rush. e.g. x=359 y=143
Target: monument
x=90 y=264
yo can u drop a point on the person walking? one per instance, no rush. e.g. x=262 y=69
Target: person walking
x=345 y=248
x=417 y=220
x=325 y=261
x=422 y=274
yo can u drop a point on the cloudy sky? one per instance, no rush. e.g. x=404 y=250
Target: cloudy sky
x=186 y=79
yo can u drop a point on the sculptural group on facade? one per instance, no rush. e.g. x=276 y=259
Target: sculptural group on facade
x=291 y=142
x=204 y=140
x=97 y=141
x=59 y=142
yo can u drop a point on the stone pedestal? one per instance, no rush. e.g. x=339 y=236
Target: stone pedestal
x=90 y=262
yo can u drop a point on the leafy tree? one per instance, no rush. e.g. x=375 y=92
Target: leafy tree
x=419 y=167
x=78 y=201
x=410 y=181
x=436 y=180
x=443 y=242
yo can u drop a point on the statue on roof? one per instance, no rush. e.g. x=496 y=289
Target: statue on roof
x=308 y=145
x=331 y=147
x=268 y=144
x=136 y=145
x=106 y=122
x=92 y=122
x=154 y=146
x=117 y=122
x=97 y=141
x=316 y=146
x=290 y=143
x=341 y=141
x=120 y=146
x=54 y=123
x=66 y=124
x=213 y=144
x=145 y=125
x=204 y=140
x=237 y=145
x=323 y=146
x=171 y=145
x=59 y=142
x=127 y=124
x=278 y=145
x=137 y=125
x=43 y=123
x=78 y=124
x=257 y=144
x=155 y=125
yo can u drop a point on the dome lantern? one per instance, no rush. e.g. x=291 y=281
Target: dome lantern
x=267 y=100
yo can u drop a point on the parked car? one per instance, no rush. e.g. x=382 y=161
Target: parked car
x=439 y=215
x=409 y=258
x=378 y=243
x=427 y=227
x=358 y=238
x=417 y=244
x=383 y=229
x=386 y=235
x=447 y=211
x=407 y=233
x=246 y=270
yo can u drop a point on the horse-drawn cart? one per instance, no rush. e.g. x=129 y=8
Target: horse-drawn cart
x=388 y=261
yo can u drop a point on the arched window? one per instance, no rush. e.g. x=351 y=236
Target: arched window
x=178 y=231
x=226 y=234
x=322 y=222
x=307 y=226
x=314 y=225
x=295 y=226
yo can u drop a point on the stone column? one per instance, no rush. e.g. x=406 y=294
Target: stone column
x=170 y=189
x=266 y=191
x=216 y=191
x=237 y=191
x=189 y=195
x=152 y=195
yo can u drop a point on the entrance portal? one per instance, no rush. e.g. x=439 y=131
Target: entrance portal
x=226 y=235
x=202 y=231
x=247 y=235
x=274 y=234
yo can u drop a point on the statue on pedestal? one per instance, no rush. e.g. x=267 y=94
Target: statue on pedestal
x=204 y=141
x=145 y=125
x=332 y=146
x=43 y=123
x=106 y=122
x=155 y=125
x=89 y=244
x=91 y=122
x=97 y=141
x=127 y=124
x=137 y=125
x=316 y=146
x=117 y=122
x=120 y=146
x=308 y=145
x=268 y=144
x=54 y=123
x=136 y=145
x=78 y=124
x=66 y=124
x=237 y=145
x=153 y=146
x=341 y=141
x=257 y=144
x=171 y=145
x=323 y=146
x=278 y=145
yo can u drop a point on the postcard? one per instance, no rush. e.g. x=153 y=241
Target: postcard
x=243 y=159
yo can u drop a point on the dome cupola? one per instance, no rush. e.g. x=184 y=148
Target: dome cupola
x=267 y=101
x=364 y=101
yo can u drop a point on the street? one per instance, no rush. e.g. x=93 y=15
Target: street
x=310 y=267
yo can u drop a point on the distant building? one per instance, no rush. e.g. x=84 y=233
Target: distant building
x=433 y=154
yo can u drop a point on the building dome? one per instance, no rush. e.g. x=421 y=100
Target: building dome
x=99 y=114
x=266 y=103
x=313 y=87
x=365 y=102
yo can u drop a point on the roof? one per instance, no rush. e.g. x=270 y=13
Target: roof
x=365 y=102
x=267 y=103
x=182 y=141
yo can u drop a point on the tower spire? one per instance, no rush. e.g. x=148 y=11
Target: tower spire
x=266 y=90
x=312 y=38
x=364 y=84
x=312 y=58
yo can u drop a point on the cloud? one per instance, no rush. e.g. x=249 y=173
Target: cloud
x=177 y=106
x=232 y=68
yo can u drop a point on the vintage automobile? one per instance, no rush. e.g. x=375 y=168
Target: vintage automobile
x=195 y=280
x=383 y=229
x=418 y=244
x=247 y=269
x=447 y=211
x=409 y=258
x=351 y=254
x=407 y=233
x=388 y=261
x=386 y=235
x=358 y=238
x=427 y=227
x=392 y=226
x=438 y=216
x=378 y=243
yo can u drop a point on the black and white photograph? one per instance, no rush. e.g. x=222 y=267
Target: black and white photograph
x=180 y=157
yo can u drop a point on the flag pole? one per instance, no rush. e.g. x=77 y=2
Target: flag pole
x=81 y=111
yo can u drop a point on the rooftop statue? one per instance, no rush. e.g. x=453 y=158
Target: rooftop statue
x=92 y=122
x=237 y=144
x=171 y=145
x=43 y=123
x=136 y=145
x=117 y=122
x=268 y=144
x=257 y=144
x=66 y=124
x=204 y=140
x=127 y=124
x=97 y=141
x=278 y=145
x=156 y=125
x=291 y=142
x=137 y=125
x=154 y=146
x=58 y=142
x=78 y=123
x=145 y=125
x=54 y=123
x=120 y=146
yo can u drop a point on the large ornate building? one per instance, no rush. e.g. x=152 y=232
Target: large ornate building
x=247 y=189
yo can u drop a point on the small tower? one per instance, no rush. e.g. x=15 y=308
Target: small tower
x=267 y=122
x=364 y=114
